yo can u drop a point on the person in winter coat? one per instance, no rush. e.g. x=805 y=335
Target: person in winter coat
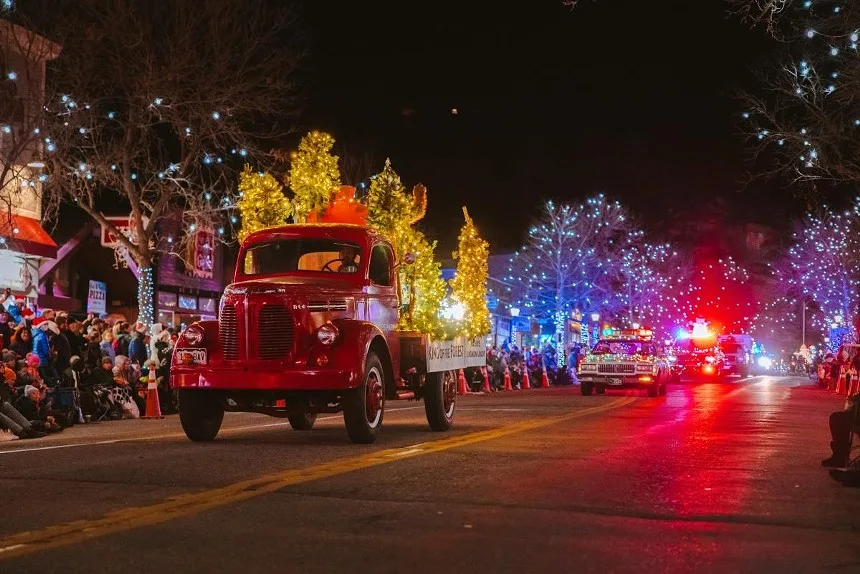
x=106 y=345
x=137 y=352
x=62 y=346
x=22 y=341
x=41 y=341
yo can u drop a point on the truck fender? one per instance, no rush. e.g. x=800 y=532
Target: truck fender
x=355 y=342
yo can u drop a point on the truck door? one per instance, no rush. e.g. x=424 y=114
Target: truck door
x=383 y=304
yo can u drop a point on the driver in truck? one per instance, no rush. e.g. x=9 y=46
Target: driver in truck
x=348 y=263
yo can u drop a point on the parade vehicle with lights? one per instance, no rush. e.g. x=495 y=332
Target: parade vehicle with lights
x=696 y=354
x=737 y=354
x=624 y=359
x=310 y=325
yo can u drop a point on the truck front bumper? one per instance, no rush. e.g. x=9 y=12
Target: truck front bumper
x=246 y=378
x=619 y=381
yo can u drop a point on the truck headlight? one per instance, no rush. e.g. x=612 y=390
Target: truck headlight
x=327 y=334
x=644 y=368
x=193 y=335
x=587 y=367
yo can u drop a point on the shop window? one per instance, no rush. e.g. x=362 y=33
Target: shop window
x=166 y=300
x=188 y=302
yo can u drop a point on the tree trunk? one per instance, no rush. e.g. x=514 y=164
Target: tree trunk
x=146 y=290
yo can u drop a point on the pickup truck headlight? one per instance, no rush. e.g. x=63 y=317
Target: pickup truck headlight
x=591 y=367
x=193 y=335
x=644 y=368
x=327 y=334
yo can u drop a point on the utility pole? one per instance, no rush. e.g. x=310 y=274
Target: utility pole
x=803 y=328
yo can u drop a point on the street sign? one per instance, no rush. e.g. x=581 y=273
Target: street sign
x=97 y=298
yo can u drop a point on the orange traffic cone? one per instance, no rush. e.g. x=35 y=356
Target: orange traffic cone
x=486 y=388
x=544 y=380
x=461 y=382
x=153 y=407
x=525 y=384
x=508 y=386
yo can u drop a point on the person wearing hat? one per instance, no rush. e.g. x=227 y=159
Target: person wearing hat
x=42 y=345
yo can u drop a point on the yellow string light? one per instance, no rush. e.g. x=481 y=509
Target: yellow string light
x=314 y=174
x=469 y=285
x=262 y=202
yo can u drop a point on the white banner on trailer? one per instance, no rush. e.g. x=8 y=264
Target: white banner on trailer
x=456 y=354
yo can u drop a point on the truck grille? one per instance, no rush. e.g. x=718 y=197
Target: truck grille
x=275 y=333
x=228 y=333
x=616 y=369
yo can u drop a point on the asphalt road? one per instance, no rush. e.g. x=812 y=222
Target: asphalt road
x=714 y=477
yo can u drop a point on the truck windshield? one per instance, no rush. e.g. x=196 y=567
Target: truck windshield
x=302 y=254
x=604 y=347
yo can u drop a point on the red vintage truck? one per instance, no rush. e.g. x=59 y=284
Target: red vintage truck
x=309 y=326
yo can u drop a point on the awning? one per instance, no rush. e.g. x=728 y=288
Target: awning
x=26 y=235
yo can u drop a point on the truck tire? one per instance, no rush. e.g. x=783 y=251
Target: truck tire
x=654 y=390
x=200 y=413
x=586 y=389
x=440 y=399
x=364 y=407
x=302 y=421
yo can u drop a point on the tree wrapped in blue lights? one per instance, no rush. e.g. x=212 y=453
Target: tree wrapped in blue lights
x=156 y=111
x=822 y=267
x=590 y=256
x=804 y=120
x=651 y=281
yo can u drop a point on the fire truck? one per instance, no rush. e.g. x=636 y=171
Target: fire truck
x=309 y=326
x=696 y=354
x=624 y=359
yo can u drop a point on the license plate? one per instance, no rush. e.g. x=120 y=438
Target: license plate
x=614 y=381
x=192 y=356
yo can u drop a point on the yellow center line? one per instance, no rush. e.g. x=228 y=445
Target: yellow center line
x=194 y=503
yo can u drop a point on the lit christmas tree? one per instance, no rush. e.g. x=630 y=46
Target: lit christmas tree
x=314 y=175
x=469 y=285
x=393 y=214
x=262 y=202
x=424 y=287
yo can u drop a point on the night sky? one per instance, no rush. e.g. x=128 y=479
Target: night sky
x=630 y=98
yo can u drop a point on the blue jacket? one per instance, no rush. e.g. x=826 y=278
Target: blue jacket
x=137 y=350
x=41 y=347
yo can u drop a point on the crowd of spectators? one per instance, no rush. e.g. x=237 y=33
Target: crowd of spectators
x=59 y=371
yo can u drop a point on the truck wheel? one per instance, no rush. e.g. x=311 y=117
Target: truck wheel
x=440 y=399
x=364 y=406
x=302 y=421
x=653 y=390
x=200 y=413
x=586 y=389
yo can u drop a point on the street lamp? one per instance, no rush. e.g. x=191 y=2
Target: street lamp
x=595 y=317
x=515 y=311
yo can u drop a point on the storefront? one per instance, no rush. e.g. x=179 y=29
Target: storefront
x=24 y=245
x=189 y=284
